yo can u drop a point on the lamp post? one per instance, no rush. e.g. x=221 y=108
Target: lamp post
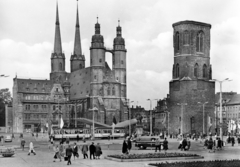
x=182 y=104
x=150 y=116
x=129 y=116
x=221 y=120
x=203 y=115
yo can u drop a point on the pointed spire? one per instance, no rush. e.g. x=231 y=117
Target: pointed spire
x=77 y=43
x=97 y=27
x=119 y=29
x=57 y=41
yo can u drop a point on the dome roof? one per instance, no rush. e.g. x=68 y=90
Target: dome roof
x=97 y=38
x=119 y=41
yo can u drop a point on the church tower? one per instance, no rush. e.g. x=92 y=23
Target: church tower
x=77 y=59
x=119 y=61
x=97 y=61
x=191 y=90
x=58 y=73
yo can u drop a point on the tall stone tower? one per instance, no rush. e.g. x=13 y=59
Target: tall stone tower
x=77 y=58
x=58 y=73
x=119 y=61
x=191 y=89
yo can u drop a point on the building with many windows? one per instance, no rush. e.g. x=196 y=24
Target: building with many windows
x=70 y=95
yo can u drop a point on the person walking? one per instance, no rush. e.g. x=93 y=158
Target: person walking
x=23 y=143
x=165 y=145
x=125 y=147
x=210 y=144
x=77 y=137
x=188 y=144
x=67 y=140
x=31 y=149
x=56 y=153
x=157 y=145
x=84 y=151
x=129 y=144
x=92 y=150
x=61 y=150
x=98 y=151
x=75 y=151
x=184 y=144
x=69 y=152
x=233 y=141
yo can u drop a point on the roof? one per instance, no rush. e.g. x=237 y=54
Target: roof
x=126 y=123
x=235 y=99
x=191 y=22
x=226 y=97
x=34 y=85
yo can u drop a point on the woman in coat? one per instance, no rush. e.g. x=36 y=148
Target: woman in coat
x=98 y=151
x=165 y=145
x=75 y=151
x=210 y=144
x=85 y=151
x=125 y=147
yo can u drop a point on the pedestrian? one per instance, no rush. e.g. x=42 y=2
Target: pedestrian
x=31 y=149
x=75 y=151
x=219 y=144
x=67 y=140
x=69 y=152
x=125 y=147
x=98 y=151
x=77 y=137
x=210 y=144
x=23 y=143
x=184 y=144
x=165 y=145
x=129 y=143
x=188 y=144
x=92 y=150
x=157 y=145
x=56 y=153
x=84 y=139
x=85 y=151
x=233 y=140
x=61 y=150
x=13 y=136
x=180 y=144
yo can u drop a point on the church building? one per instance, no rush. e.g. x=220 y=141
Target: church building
x=73 y=95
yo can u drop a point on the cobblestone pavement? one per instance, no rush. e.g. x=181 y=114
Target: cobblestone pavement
x=45 y=155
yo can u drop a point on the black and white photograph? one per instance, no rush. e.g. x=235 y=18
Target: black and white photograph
x=123 y=83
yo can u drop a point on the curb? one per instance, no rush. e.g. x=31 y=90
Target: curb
x=152 y=159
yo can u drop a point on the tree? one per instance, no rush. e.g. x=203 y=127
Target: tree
x=5 y=98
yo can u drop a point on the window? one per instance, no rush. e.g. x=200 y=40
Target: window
x=54 y=107
x=204 y=71
x=60 y=66
x=35 y=89
x=108 y=91
x=56 y=89
x=177 y=71
x=100 y=60
x=95 y=77
x=186 y=38
x=60 y=107
x=80 y=66
x=199 y=42
x=113 y=91
x=196 y=70
x=177 y=41
x=121 y=61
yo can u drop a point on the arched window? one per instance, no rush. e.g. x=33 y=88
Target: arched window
x=199 y=42
x=186 y=38
x=196 y=70
x=80 y=66
x=60 y=66
x=177 y=40
x=177 y=71
x=173 y=72
x=113 y=91
x=108 y=91
x=204 y=71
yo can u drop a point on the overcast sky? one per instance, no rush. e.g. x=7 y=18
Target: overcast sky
x=27 y=35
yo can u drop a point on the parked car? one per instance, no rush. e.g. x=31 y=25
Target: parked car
x=146 y=141
x=8 y=138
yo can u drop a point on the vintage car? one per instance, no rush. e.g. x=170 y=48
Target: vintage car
x=8 y=138
x=7 y=151
x=146 y=141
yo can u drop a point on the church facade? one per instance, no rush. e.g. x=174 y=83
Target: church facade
x=191 y=90
x=72 y=95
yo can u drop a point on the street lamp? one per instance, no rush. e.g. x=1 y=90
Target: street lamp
x=129 y=115
x=150 y=116
x=181 y=104
x=221 y=120
x=203 y=115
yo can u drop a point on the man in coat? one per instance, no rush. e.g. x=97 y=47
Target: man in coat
x=92 y=150
x=125 y=147
x=75 y=150
x=69 y=152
